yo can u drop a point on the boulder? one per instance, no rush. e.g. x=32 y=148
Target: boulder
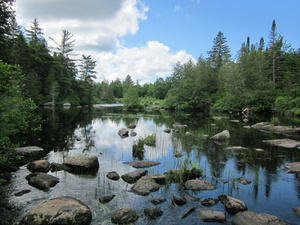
x=244 y=180
x=42 y=181
x=250 y=218
x=286 y=143
x=297 y=211
x=232 y=205
x=106 y=198
x=131 y=126
x=39 y=166
x=223 y=136
x=153 y=212
x=124 y=216
x=144 y=186
x=134 y=176
x=159 y=178
x=197 y=185
x=292 y=167
x=142 y=164
x=6 y=176
x=63 y=210
x=82 y=163
x=209 y=202
x=158 y=201
x=167 y=130
x=208 y=215
x=133 y=133
x=123 y=133
x=178 y=200
x=113 y=175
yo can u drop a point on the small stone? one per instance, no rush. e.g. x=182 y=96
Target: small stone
x=106 y=198
x=113 y=175
x=20 y=193
x=153 y=212
x=212 y=216
x=178 y=200
x=158 y=201
x=244 y=180
x=209 y=202
x=124 y=216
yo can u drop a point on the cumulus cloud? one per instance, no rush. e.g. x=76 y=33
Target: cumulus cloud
x=95 y=23
x=144 y=64
x=98 y=26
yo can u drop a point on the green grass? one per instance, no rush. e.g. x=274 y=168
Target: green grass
x=150 y=140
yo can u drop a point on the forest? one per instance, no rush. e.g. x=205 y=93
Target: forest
x=265 y=77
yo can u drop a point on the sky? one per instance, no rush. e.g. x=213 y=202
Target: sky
x=146 y=38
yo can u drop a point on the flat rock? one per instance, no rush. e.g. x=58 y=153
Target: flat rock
x=113 y=175
x=232 y=205
x=142 y=164
x=63 y=210
x=250 y=218
x=144 y=186
x=197 y=185
x=124 y=216
x=286 y=143
x=208 y=215
x=292 y=167
x=236 y=148
x=223 y=136
x=42 y=181
x=134 y=176
x=39 y=166
x=264 y=126
x=153 y=212
x=29 y=150
x=82 y=163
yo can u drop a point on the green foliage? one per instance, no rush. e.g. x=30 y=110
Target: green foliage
x=131 y=100
x=138 y=149
x=283 y=103
x=275 y=121
x=150 y=140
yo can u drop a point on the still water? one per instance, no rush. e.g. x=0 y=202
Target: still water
x=80 y=130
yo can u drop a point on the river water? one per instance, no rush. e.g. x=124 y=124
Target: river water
x=66 y=132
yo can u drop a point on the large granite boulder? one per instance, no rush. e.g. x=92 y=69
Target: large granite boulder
x=208 y=215
x=232 y=205
x=223 y=136
x=142 y=164
x=39 y=166
x=250 y=218
x=42 y=181
x=82 y=163
x=144 y=186
x=134 y=176
x=197 y=185
x=124 y=216
x=60 y=211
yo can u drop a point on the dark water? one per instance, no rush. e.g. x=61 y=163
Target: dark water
x=81 y=130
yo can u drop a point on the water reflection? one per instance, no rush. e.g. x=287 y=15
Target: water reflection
x=95 y=131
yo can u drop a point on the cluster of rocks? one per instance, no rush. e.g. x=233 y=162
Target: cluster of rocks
x=124 y=133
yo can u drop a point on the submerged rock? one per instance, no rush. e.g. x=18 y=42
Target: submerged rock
x=286 y=143
x=106 y=198
x=197 y=185
x=23 y=192
x=232 y=205
x=244 y=180
x=142 y=164
x=113 y=175
x=144 y=186
x=82 y=163
x=292 y=167
x=187 y=213
x=131 y=126
x=124 y=216
x=158 y=201
x=63 y=210
x=223 y=136
x=153 y=212
x=209 y=202
x=208 y=215
x=134 y=176
x=39 y=166
x=178 y=200
x=297 y=211
x=250 y=218
x=42 y=181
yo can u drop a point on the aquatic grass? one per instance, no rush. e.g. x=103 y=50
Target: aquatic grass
x=150 y=140
x=138 y=149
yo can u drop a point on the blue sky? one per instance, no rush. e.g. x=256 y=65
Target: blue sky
x=146 y=38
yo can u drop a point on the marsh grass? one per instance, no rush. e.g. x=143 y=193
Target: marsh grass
x=150 y=140
x=138 y=149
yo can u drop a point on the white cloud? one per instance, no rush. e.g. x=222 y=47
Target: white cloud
x=98 y=26
x=177 y=8
x=144 y=64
